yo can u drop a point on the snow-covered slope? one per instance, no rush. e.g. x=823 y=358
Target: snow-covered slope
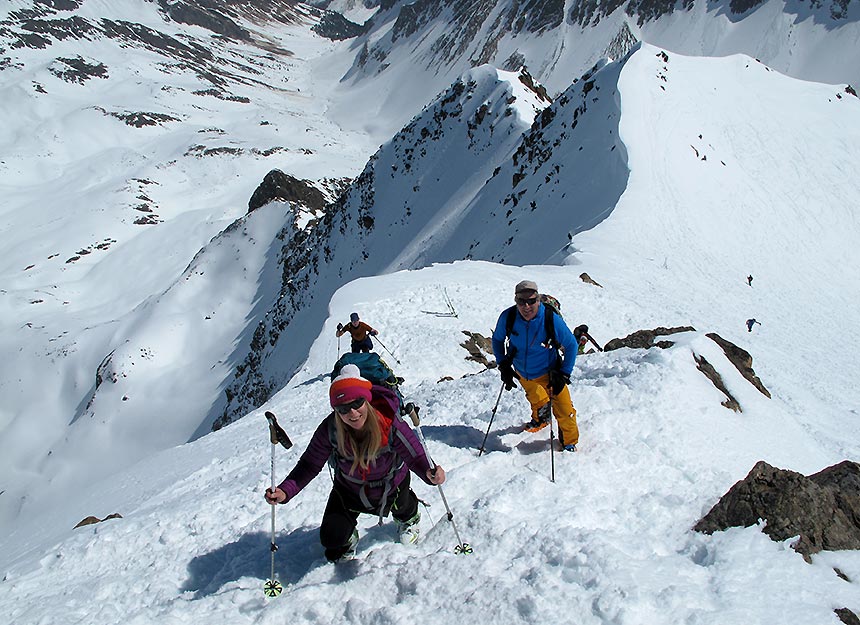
x=413 y=188
x=608 y=542
x=128 y=143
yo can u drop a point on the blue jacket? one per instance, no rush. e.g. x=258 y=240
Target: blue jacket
x=532 y=359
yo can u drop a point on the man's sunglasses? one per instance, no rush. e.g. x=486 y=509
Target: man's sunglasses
x=526 y=302
x=347 y=408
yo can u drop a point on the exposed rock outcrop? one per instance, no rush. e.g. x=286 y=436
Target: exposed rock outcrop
x=478 y=345
x=588 y=280
x=741 y=359
x=823 y=509
x=713 y=375
x=280 y=186
x=644 y=339
x=90 y=520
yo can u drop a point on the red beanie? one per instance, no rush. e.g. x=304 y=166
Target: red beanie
x=349 y=386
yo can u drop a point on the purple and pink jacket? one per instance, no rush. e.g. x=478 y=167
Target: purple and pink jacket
x=404 y=452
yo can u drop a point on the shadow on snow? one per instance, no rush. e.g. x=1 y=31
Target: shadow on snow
x=250 y=556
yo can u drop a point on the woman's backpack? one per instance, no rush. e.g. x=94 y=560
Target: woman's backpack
x=372 y=368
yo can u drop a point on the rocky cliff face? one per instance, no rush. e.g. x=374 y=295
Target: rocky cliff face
x=45 y=23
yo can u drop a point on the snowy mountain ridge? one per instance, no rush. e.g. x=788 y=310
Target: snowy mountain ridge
x=558 y=42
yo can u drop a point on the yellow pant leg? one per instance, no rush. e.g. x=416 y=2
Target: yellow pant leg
x=565 y=415
x=536 y=392
x=562 y=407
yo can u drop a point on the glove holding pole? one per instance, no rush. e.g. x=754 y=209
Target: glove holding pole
x=557 y=381
x=506 y=370
x=412 y=410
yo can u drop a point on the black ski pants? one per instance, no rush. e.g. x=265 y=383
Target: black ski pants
x=362 y=346
x=341 y=515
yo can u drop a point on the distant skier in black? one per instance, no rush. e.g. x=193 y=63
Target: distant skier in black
x=749 y=279
x=751 y=323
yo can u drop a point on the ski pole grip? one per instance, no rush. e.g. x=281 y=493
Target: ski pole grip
x=412 y=411
x=276 y=432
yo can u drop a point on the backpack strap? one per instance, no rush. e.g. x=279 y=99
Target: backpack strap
x=509 y=321
x=549 y=327
x=510 y=351
x=385 y=483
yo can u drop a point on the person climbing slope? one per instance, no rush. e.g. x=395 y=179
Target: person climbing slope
x=360 y=333
x=528 y=354
x=373 y=452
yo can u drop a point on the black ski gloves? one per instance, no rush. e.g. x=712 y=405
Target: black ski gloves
x=340 y=327
x=557 y=381
x=508 y=374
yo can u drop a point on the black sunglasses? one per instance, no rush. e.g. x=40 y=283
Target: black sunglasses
x=347 y=408
x=526 y=302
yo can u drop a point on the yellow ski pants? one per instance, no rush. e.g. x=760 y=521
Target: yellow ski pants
x=537 y=392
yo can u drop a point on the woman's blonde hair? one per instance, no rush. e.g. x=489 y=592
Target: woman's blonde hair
x=362 y=448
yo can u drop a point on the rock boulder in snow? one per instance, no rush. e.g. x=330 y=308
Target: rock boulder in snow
x=823 y=509
x=91 y=520
x=644 y=339
x=741 y=359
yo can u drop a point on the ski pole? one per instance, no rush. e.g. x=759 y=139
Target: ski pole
x=588 y=336
x=386 y=349
x=412 y=411
x=277 y=435
x=492 y=416
x=551 y=439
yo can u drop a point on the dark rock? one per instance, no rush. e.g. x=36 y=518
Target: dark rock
x=209 y=17
x=741 y=359
x=644 y=339
x=588 y=280
x=91 y=520
x=822 y=509
x=280 y=186
x=847 y=616
x=742 y=6
x=477 y=345
x=336 y=27
x=708 y=369
x=78 y=70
